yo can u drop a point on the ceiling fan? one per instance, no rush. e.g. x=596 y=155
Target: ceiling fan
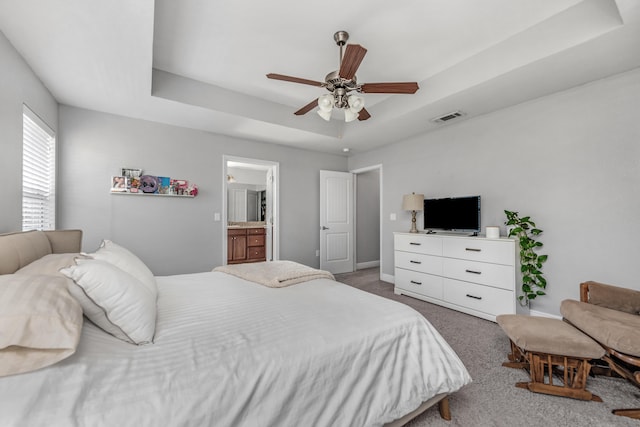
x=342 y=83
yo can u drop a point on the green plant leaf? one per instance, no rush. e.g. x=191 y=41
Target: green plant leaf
x=542 y=258
x=540 y=293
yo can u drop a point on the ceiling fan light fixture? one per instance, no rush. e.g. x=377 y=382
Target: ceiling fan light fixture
x=356 y=103
x=325 y=103
x=349 y=115
x=325 y=114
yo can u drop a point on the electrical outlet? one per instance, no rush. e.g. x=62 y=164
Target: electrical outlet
x=392 y=217
x=216 y=216
x=317 y=252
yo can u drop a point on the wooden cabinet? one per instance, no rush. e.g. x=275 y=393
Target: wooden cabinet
x=236 y=246
x=474 y=275
x=255 y=244
x=245 y=245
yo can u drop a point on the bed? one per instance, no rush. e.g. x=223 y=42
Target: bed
x=229 y=352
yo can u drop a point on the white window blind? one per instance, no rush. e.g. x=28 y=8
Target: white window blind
x=38 y=173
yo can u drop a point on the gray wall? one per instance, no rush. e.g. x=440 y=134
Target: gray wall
x=368 y=216
x=18 y=86
x=570 y=160
x=175 y=235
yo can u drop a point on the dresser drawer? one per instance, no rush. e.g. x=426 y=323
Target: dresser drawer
x=493 y=251
x=253 y=240
x=419 y=262
x=480 y=298
x=420 y=283
x=418 y=243
x=236 y=232
x=255 y=230
x=501 y=276
x=256 y=252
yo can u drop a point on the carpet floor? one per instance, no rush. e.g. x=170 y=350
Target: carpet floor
x=492 y=398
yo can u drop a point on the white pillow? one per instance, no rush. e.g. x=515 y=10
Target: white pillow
x=127 y=261
x=114 y=300
x=40 y=323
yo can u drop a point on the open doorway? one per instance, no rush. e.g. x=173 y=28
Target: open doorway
x=368 y=224
x=251 y=200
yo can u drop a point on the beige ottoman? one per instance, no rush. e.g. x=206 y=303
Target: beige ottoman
x=550 y=347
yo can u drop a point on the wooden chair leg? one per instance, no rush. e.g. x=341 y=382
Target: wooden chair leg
x=443 y=407
x=517 y=360
x=631 y=413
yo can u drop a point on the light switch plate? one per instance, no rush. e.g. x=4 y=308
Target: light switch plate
x=392 y=217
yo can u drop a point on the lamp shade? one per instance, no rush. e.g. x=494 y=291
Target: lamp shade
x=413 y=202
x=349 y=115
x=356 y=103
x=325 y=103
x=325 y=114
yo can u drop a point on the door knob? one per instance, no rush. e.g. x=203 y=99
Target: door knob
x=324 y=228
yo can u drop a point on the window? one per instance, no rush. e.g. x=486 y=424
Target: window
x=38 y=173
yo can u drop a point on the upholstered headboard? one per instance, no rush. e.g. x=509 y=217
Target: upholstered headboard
x=22 y=248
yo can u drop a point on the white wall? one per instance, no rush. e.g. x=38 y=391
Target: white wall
x=175 y=235
x=570 y=160
x=18 y=86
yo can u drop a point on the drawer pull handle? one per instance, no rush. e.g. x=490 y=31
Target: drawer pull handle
x=415 y=244
x=415 y=262
x=473 y=272
x=473 y=250
x=473 y=296
x=416 y=283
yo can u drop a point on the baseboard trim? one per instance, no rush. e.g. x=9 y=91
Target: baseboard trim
x=368 y=264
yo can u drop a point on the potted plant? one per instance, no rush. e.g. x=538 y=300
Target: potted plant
x=533 y=281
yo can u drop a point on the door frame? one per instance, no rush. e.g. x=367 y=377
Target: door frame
x=275 y=226
x=355 y=207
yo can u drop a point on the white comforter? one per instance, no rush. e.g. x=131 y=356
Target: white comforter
x=229 y=352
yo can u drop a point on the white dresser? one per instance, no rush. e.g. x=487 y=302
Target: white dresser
x=474 y=275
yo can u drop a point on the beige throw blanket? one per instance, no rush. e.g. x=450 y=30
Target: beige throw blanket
x=275 y=274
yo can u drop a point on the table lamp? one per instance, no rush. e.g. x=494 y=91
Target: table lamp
x=413 y=202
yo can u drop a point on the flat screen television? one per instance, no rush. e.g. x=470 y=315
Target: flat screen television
x=452 y=213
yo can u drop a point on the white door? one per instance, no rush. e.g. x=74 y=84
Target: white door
x=336 y=221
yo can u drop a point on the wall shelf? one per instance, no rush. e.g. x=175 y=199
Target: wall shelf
x=124 y=193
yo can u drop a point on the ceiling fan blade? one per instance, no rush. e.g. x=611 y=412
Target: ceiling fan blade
x=293 y=79
x=406 y=87
x=310 y=106
x=353 y=56
x=363 y=115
